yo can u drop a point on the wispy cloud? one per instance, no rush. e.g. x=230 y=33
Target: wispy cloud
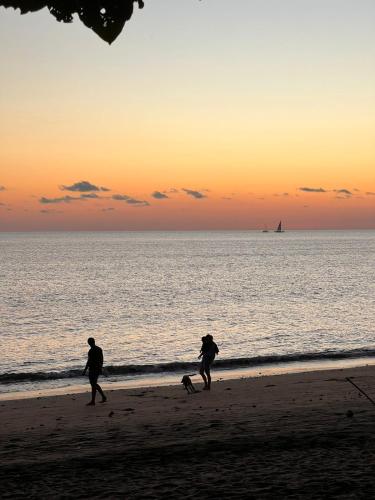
x=229 y=196
x=108 y=209
x=90 y=196
x=343 y=191
x=130 y=200
x=2 y=188
x=370 y=193
x=63 y=199
x=83 y=187
x=49 y=211
x=159 y=196
x=312 y=190
x=195 y=194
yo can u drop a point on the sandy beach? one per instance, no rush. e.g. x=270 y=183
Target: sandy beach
x=304 y=435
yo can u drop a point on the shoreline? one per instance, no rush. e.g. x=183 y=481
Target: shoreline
x=300 y=435
x=169 y=379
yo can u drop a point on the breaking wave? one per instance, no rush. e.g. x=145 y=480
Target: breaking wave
x=176 y=367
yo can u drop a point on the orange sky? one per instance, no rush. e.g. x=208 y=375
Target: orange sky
x=241 y=120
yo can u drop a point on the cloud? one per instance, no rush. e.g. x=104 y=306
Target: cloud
x=343 y=191
x=90 y=196
x=159 y=196
x=83 y=187
x=370 y=193
x=46 y=211
x=129 y=200
x=281 y=194
x=2 y=188
x=109 y=209
x=195 y=194
x=63 y=199
x=68 y=198
x=120 y=197
x=312 y=190
x=171 y=190
x=229 y=196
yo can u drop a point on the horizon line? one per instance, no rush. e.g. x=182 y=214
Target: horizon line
x=179 y=230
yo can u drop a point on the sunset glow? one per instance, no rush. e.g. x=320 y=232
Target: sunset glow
x=236 y=118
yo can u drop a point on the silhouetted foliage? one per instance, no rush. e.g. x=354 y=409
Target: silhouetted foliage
x=105 y=17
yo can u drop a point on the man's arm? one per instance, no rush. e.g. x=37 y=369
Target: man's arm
x=87 y=365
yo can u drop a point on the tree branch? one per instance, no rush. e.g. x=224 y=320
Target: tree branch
x=106 y=17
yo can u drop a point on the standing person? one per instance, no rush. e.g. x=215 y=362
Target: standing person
x=95 y=366
x=204 y=347
x=208 y=353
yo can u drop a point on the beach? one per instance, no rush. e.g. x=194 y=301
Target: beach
x=301 y=435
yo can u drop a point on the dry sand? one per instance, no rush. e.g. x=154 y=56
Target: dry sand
x=286 y=436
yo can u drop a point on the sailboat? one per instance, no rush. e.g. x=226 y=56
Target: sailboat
x=279 y=228
x=265 y=230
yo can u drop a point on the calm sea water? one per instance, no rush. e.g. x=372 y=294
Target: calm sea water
x=148 y=297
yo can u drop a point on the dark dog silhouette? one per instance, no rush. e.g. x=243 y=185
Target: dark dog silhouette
x=188 y=384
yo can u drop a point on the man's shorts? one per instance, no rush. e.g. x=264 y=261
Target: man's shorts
x=93 y=376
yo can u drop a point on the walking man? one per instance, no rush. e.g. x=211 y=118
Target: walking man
x=95 y=366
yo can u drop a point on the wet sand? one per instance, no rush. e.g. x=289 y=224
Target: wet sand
x=304 y=435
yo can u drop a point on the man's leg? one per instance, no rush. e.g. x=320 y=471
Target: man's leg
x=94 y=383
x=99 y=389
x=201 y=371
x=93 y=394
x=208 y=372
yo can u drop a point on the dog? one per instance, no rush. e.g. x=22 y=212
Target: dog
x=188 y=384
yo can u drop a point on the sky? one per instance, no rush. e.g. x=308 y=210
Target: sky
x=202 y=115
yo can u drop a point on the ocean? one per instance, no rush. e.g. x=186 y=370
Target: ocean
x=149 y=297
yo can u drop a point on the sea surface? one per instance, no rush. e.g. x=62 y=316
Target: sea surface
x=149 y=297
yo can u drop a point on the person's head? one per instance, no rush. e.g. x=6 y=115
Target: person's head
x=204 y=339
x=209 y=338
x=91 y=341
